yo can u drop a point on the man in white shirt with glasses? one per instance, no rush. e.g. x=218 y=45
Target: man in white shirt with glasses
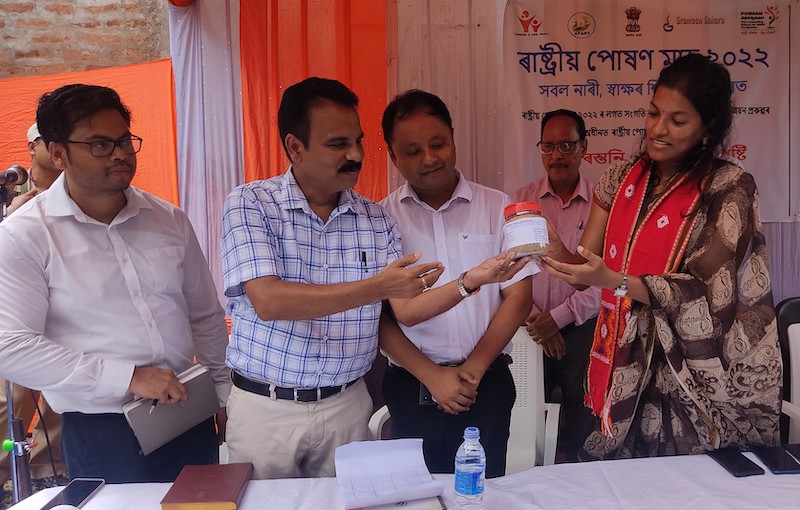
x=116 y=296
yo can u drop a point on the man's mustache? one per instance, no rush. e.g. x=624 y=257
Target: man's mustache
x=351 y=166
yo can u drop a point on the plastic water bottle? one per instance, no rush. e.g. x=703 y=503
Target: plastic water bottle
x=470 y=471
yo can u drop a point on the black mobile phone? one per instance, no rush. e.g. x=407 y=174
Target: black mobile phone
x=794 y=449
x=76 y=492
x=735 y=462
x=776 y=459
x=425 y=397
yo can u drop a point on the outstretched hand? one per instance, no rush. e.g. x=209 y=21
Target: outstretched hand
x=400 y=280
x=500 y=268
x=593 y=272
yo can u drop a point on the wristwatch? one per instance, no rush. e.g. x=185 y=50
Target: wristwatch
x=463 y=290
x=622 y=290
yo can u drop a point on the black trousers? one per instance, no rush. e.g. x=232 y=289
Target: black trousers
x=103 y=445
x=569 y=374
x=443 y=433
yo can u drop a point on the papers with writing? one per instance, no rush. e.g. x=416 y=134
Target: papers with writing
x=379 y=472
x=432 y=503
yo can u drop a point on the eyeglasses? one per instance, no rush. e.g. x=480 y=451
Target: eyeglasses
x=567 y=147
x=100 y=148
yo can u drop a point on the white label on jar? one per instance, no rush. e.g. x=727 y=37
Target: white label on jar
x=522 y=231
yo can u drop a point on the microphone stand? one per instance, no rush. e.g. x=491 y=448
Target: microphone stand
x=17 y=444
x=3 y=202
x=17 y=447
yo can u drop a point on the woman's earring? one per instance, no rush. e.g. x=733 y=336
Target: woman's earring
x=705 y=142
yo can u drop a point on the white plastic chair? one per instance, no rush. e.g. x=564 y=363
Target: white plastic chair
x=788 y=315
x=223 y=453
x=534 y=422
x=377 y=421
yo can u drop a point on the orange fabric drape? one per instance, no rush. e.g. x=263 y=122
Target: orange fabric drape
x=145 y=88
x=283 y=42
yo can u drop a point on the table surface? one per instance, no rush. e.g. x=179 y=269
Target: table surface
x=667 y=482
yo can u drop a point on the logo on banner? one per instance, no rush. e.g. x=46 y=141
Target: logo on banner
x=529 y=22
x=772 y=15
x=633 y=14
x=759 y=22
x=581 y=25
x=693 y=20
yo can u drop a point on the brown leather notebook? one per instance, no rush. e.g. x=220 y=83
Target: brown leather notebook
x=211 y=487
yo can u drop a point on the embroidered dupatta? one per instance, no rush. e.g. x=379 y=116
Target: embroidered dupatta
x=700 y=367
x=654 y=245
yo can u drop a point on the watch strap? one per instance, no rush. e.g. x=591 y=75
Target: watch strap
x=622 y=290
x=462 y=289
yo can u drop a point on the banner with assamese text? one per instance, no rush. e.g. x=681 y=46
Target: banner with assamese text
x=602 y=59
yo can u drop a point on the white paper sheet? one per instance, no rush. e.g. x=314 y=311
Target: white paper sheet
x=378 y=472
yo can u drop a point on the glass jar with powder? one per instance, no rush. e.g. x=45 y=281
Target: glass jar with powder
x=525 y=230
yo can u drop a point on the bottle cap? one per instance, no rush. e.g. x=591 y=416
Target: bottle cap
x=472 y=433
x=519 y=207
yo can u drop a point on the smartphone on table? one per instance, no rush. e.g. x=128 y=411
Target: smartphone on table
x=76 y=492
x=794 y=449
x=735 y=462
x=777 y=459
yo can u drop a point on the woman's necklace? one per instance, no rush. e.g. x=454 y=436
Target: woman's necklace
x=660 y=188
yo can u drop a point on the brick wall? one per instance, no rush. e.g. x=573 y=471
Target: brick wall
x=54 y=36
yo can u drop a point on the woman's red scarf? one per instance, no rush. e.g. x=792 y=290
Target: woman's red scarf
x=655 y=246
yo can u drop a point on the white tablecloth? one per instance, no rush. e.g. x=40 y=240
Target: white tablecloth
x=686 y=482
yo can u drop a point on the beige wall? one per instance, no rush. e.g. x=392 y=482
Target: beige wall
x=54 y=36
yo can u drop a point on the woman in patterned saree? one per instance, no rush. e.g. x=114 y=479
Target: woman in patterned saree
x=685 y=357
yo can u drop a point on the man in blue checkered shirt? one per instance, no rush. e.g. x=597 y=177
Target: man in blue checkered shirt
x=307 y=263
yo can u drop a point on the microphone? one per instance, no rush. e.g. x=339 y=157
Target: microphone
x=14 y=174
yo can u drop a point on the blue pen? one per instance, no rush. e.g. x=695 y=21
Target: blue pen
x=153 y=406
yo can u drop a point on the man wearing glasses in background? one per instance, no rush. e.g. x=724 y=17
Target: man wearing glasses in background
x=116 y=296
x=562 y=319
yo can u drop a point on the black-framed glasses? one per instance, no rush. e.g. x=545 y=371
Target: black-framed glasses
x=129 y=145
x=567 y=147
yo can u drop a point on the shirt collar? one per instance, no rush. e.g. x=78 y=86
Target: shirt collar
x=294 y=198
x=582 y=190
x=463 y=191
x=59 y=203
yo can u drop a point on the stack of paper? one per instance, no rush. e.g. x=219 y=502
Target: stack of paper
x=373 y=473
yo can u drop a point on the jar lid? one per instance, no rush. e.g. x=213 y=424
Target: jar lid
x=519 y=207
